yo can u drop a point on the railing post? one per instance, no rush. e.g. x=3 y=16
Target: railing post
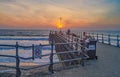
x=89 y=34
x=109 y=39
x=72 y=42
x=118 y=41
x=51 y=59
x=76 y=43
x=33 y=52
x=93 y=35
x=67 y=37
x=102 y=39
x=18 y=72
x=97 y=37
x=81 y=35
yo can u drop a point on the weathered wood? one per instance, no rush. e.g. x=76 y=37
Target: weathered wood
x=59 y=47
x=33 y=56
x=97 y=37
x=18 y=72
x=8 y=56
x=118 y=45
x=102 y=38
x=109 y=39
x=51 y=59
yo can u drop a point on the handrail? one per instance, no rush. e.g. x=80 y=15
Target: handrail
x=17 y=46
x=26 y=58
x=7 y=45
x=106 y=38
x=8 y=66
x=65 y=43
x=21 y=45
x=8 y=56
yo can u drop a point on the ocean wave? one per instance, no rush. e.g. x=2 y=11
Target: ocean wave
x=3 y=38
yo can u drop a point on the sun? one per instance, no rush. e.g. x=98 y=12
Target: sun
x=60 y=26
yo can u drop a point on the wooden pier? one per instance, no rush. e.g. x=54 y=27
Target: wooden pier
x=64 y=48
x=69 y=50
x=107 y=65
x=71 y=45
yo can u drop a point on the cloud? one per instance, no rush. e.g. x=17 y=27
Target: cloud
x=7 y=1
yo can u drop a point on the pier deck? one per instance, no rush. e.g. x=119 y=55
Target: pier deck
x=107 y=65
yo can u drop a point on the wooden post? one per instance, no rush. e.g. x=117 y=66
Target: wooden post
x=89 y=34
x=72 y=41
x=33 y=52
x=72 y=38
x=68 y=38
x=102 y=39
x=118 y=41
x=51 y=59
x=76 y=43
x=93 y=35
x=81 y=35
x=109 y=39
x=97 y=37
x=18 y=72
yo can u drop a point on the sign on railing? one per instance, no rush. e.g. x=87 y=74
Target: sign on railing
x=38 y=51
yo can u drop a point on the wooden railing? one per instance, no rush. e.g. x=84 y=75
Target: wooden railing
x=106 y=38
x=71 y=40
x=109 y=39
x=17 y=57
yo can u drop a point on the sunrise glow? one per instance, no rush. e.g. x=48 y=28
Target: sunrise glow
x=60 y=26
x=37 y=14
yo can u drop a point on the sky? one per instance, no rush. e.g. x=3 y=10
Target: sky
x=79 y=14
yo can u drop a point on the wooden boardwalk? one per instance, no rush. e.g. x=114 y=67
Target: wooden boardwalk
x=107 y=65
x=65 y=48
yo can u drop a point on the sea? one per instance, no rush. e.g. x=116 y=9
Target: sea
x=24 y=38
x=37 y=37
